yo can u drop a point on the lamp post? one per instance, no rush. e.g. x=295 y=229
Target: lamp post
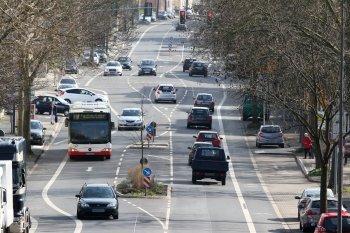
x=341 y=97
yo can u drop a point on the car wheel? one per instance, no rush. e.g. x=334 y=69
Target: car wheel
x=98 y=100
x=223 y=181
x=244 y=118
x=209 y=126
x=298 y=216
x=108 y=157
x=155 y=100
x=174 y=101
x=206 y=75
x=194 y=179
x=282 y=146
x=189 y=162
x=183 y=70
x=190 y=74
x=41 y=142
x=120 y=129
x=67 y=100
x=121 y=74
x=188 y=125
x=79 y=215
x=104 y=74
x=155 y=74
x=115 y=216
x=139 y=74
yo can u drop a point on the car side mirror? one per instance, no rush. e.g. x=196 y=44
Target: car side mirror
x=189 y=148
x=77 y=195
x=228 y=157
x=112 y=125
x=154 y=89
x=44 y=128
x=297 y=197
x=194 y=136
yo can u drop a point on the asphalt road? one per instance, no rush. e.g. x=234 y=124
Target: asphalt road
x=260 y=189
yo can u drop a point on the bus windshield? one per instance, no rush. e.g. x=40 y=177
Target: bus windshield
x=90 y=132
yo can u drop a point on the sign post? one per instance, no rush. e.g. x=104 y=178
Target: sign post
x=147 y=178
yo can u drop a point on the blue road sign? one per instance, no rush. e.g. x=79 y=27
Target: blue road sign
x=147 y=171
x=149 y=129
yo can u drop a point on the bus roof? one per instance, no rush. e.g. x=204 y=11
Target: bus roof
x=79 y=107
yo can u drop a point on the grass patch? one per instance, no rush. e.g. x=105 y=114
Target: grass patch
x=133 y=184
x=315 y=172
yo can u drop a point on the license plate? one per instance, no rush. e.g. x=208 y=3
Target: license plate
x=90 y=153
x=97 y=210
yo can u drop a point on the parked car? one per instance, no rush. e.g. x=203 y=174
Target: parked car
x=328 y=223
x=198 y=68
x=131 y=118
x=189 y=14
x=125 y=62
x=37 y=132
x=97 y=200
x=199 y=116
x=67 y=80
x=309 y=193
x=71 y=67
x=43 y=104
x=86 y=58
x=72 y=95
x=209 y=162
x=270 y=135
x=147 y=67
x=181 y=27
x=165 y=92
x=113 y=68
x=310 y=215
x=162 y=15
x=65 y=86
x=187 y=63
x=204 y=100
x=194 y=147
x=102 y=56
x=209 y=136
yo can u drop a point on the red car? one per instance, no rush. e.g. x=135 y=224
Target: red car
x=209 y=136
x=328 y=223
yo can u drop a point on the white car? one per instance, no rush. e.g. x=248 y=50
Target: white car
x=131 y=118
x=67 y=81
x=113 y=68
x=72 y=95
x=165 y=92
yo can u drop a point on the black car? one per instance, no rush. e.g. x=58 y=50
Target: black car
x=162 y=15
x=125 y=62
x=147 y=67
x=187 y=63
x=43 y=104
x=194 y=147
x=97 y=200
x=181 y=27
x=37 y=132
x=199 y=116
x=102 y=55
x=198 y=68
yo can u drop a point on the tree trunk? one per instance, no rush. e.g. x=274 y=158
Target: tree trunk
x=26 y=114
x=323 y=194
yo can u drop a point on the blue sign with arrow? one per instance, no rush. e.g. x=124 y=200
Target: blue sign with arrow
x=147 y=171
x=149 y=129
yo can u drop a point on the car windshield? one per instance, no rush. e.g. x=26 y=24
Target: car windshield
x=113 y=63
x=131 y=113
x=271 y=129
x=147 y=63
x=98 y=192
x=34 y=125
x=64 y=86
x=122 y=59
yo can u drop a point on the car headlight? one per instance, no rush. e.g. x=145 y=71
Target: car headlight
x=154 y=69
x=122 y=121
x=83 y=204
x=106 y=70
x=138 y=121
x=112 y=205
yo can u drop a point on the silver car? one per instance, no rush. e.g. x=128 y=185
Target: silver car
x=269 y=135
x=131 y=118
x=165 y=92
x=310 y=215
x=113 y=68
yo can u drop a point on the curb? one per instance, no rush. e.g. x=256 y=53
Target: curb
x=304 y=170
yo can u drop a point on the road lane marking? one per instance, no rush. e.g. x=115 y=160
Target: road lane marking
x=89 y=169
x=234 y=181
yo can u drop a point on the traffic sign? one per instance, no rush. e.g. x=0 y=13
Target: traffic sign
x=149 y=137
x=149 y=129
x=171 y=39
x=147 y=181
x=147 y=171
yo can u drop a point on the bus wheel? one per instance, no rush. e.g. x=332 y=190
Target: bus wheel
x=108 y=157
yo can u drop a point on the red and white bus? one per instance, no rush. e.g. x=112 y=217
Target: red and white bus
x=89 y=130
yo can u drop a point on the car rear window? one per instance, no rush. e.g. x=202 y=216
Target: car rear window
x=208 y=135
x=67 y=81
x=200 y=112
x=210 y=154
x=204 y=97
x=166 y=88
x=271 y=130
x=330 y=224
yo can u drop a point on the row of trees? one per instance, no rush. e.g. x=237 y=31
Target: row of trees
x=38 y=35
x=289 y=51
